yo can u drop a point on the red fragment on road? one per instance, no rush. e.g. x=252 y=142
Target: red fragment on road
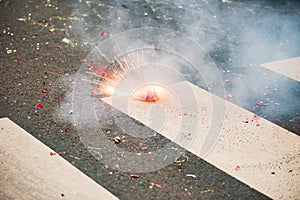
x=229 y=96
x=255 y=116
x=156 y=185
x=180 y=165
x=39 y=106
x=134 y=176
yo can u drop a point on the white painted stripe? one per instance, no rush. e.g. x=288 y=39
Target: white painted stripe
x=27 y=171
x=257 y=150
x=288 y=67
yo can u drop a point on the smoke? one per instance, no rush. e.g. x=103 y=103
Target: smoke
x=263 y=31
x=217 y=45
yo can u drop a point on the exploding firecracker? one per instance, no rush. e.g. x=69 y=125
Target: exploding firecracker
x=150 y=96
x=108 y=79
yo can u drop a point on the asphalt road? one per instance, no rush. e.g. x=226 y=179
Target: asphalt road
x=44 y=44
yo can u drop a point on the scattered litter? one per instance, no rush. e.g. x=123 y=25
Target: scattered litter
x=186 y=158
x=261 y=104
x=166 y=156
x=58 y=102
x=144 y=148
x=277 y=120
x=38 y=106
x=255 y=116
x=21 y=19
x=237 y=168
x=246 y=120
x=44 y=91
x=272 y=172
x=59 y=153
x=290 y=170
x=205 y=191
x=106 y=166
x=133 y=176
x=152 y=185
x=191 y=175
x=9 y=51
x=229 y=96
x=117 y=139
x=212 y=184
x=180 y=165
x=66 y=40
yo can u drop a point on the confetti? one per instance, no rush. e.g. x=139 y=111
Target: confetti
x=229 y=96
x=180 y=165
x=205 y=191
x=38 y=106
x=255 y=116
x=133 y=176
x=260 y=104
x=156 y=185
x=191 y=175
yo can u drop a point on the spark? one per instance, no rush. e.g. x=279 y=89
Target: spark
x=117 y=66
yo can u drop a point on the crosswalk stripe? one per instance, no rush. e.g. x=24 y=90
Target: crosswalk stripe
x=258 y=153
x=27 y=171
x=287 y=67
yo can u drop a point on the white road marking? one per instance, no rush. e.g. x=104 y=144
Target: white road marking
x=258 y=153
x=288 y=67
x=27 y=171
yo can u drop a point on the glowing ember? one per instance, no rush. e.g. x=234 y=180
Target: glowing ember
x=151 y=96
x=148 y=93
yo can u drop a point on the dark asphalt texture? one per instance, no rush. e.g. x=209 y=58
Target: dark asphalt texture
x=35 y=29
